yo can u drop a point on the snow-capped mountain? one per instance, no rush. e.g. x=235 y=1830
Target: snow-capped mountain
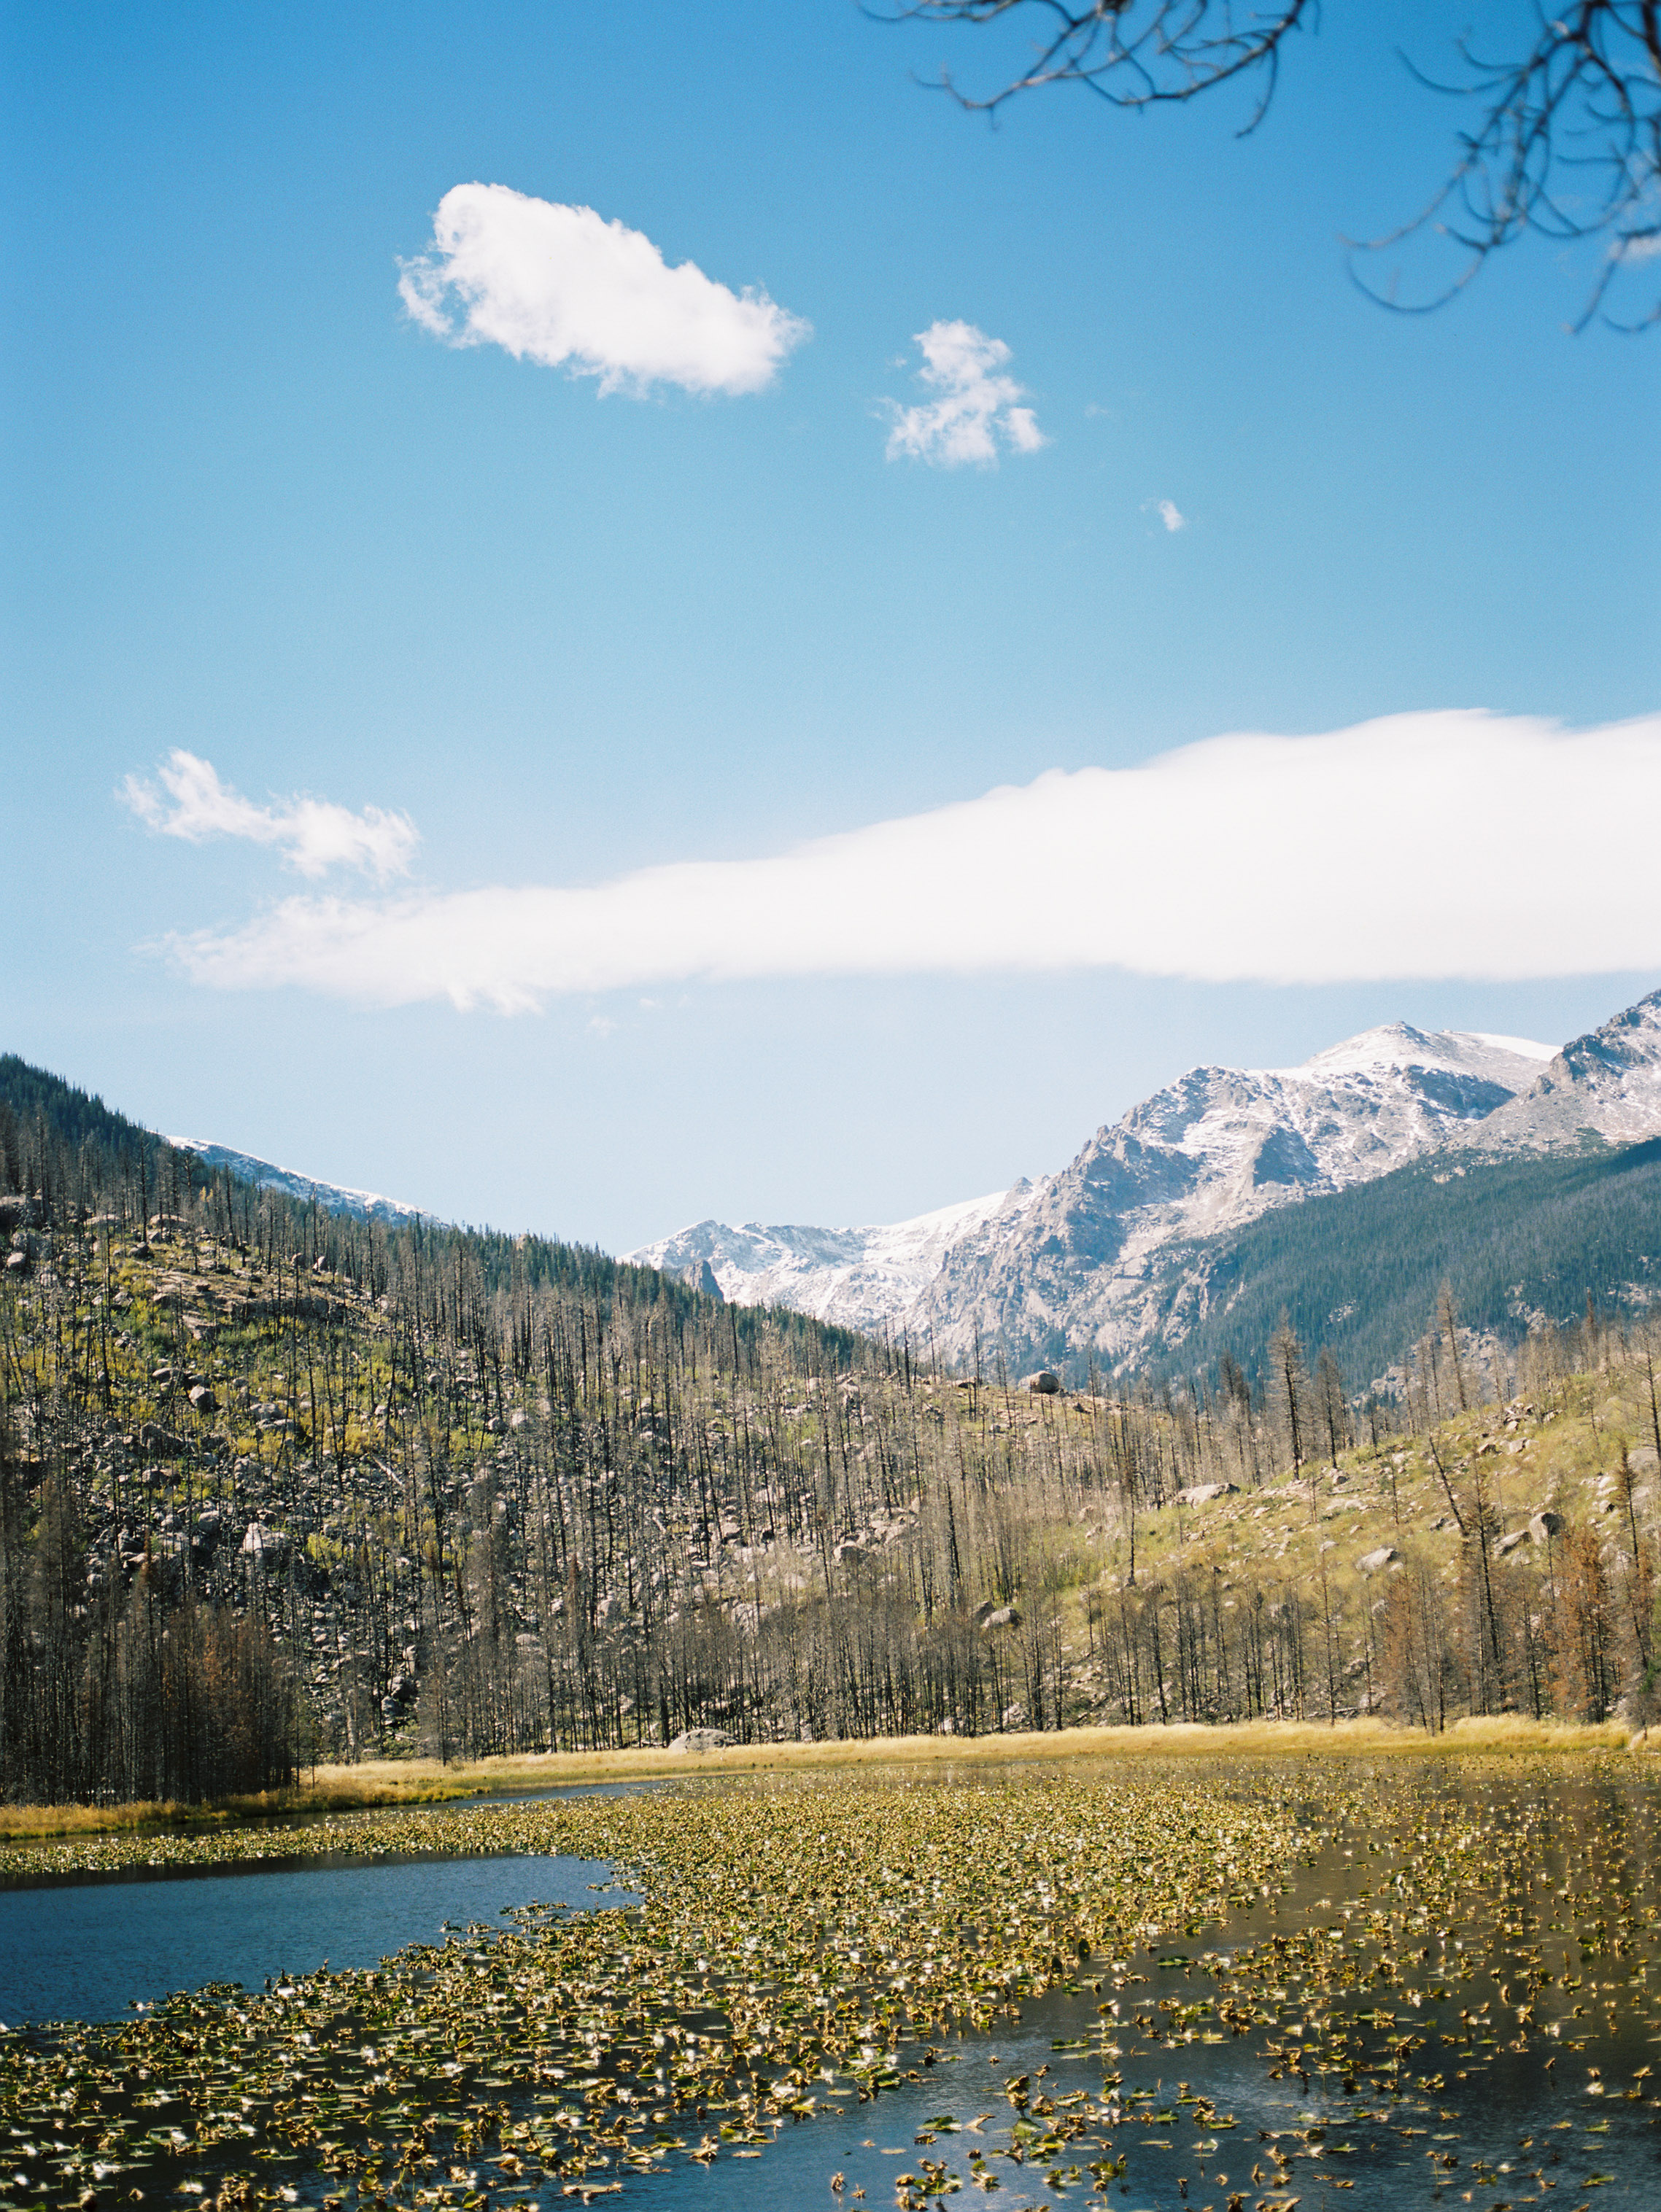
x=336 y=1197
x=1070 y=1260
x=859 y=1278
x=1606 y=1084
x=1089 y=1266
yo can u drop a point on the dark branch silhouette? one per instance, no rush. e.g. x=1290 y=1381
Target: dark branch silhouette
x=1566 y=140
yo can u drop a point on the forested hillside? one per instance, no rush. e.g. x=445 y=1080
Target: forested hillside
x=277 y=1485
x=1522 y=1240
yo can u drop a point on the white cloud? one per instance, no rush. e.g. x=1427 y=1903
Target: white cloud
x=562 y=286
x=976 y=404
x=312 y=834
x=1426 y=845
x=1171 y=515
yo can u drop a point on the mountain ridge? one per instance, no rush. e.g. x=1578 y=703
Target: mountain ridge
x=267 y=1175
x=1207 y=1151
x=1111 y=1257
x=1605 y=1084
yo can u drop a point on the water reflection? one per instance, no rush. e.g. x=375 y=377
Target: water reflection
x=86 y=1951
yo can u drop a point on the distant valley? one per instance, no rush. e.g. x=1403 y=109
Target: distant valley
x=1342 y=1192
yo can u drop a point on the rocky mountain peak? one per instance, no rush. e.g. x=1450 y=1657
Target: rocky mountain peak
x=1109 y=1252
x=1605 y=1085
x=1398 y=1046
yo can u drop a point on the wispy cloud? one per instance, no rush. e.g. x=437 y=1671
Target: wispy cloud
x=975 y=403
x=562 y=286
x=312 y=833
x=1170 y=514
x=1423 y=845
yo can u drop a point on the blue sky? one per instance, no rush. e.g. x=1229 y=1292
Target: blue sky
x=254 y=512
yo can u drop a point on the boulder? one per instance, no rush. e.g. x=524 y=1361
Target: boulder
x=203 y=1399
x=1545 y=1525
x=1374 y=1563
x=701 y=1739
x=1001 y=1616
x=1202 y=1493
x=1509 y=1544
x=1043 y=1383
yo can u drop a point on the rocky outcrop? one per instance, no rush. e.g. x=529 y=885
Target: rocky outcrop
x=1602 y=1087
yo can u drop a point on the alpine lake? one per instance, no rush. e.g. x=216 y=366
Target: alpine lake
x=1142 y=1982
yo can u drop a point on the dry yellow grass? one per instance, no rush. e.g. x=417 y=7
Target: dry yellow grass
x=333 y=1791
x=424 y=1781
x=1264 y=1738
x=1504 y=1733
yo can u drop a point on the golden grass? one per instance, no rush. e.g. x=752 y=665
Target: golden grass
x=1272 y=1739
x=381 y=1781
x=28 y=1823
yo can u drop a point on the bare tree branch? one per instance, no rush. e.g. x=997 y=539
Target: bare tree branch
x=1567 y=144
x=1132 y=53
x=1564 y=140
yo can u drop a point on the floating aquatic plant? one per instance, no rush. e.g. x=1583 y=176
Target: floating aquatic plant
x=1377 y=1940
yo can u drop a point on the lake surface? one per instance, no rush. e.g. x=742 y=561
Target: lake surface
x=1473 y=2117
x=1550 y=2125
x=88 y=1950
x=1182 y=2164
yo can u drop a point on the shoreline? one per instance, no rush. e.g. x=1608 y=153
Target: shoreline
x=375 y=1783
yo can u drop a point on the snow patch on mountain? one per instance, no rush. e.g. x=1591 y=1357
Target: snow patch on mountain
x=1399 y=1045
x=1606 y=1085
x=335 y=1198
x=858 y=1278
x=1074 y=1257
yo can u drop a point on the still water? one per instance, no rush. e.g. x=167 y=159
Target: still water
x=90 y=1950
x=1340 y=2151
x=1199 y=2118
